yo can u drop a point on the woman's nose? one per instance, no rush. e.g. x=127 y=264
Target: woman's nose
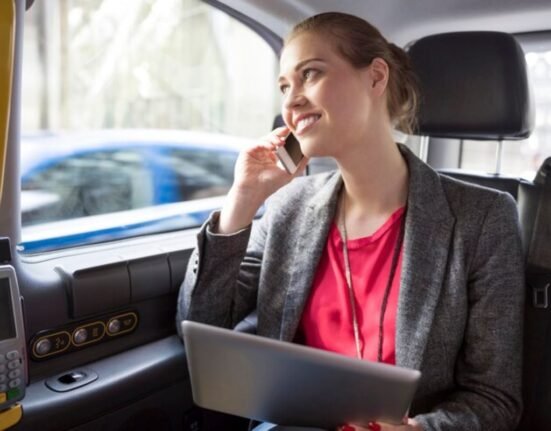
x=294 y=98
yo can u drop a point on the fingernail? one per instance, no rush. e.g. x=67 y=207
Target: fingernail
x=373 y=426
x=348 y=428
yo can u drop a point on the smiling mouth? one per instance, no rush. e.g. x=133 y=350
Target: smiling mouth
x=306 y=123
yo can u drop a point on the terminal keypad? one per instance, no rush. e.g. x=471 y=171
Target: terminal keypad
x=11 y=370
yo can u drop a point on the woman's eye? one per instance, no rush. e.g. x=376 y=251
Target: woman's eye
x=283 y=88
x=308 y=73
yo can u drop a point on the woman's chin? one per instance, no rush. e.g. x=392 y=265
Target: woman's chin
x=316 y=153
x=312 y=149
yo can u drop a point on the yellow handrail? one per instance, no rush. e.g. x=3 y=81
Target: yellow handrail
x=7 y=39
x=10 y=417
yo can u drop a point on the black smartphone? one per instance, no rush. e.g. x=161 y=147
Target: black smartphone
x=290 y=154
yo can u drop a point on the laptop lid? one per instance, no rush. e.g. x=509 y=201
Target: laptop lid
x=289 y=384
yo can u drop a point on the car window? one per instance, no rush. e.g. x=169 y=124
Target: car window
x=519 y=158
x=102 y=75
x=220 y=164
x=197 y=174
x=88 y=184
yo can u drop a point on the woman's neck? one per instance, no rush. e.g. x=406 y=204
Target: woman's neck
x=375 y=185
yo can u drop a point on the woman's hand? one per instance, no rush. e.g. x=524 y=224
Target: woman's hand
x=257 y=176
x=408 y=425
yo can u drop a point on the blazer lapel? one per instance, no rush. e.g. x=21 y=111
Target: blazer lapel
x=429 y=228
x=313 y=228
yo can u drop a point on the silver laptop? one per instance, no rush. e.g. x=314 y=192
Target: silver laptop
x=290 y=384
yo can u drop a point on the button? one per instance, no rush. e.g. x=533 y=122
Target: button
x=61 y=341
x=96 y=331
x=114 y=326
x=3 y=397
x=80 y=335
x=14 y=393
x=122 y=324
x=3 y=387
x=51 y=344
x=14 y=354
x=128 y=321
x=3 y=378
x=43 y=347
x=14 y=383
x=14 y=364
x=14 y=373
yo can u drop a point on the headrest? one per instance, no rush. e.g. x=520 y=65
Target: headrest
x=473 y=85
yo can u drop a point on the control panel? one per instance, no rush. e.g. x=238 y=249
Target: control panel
x=78 y=335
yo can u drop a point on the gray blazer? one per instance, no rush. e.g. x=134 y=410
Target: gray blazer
x=460 y=308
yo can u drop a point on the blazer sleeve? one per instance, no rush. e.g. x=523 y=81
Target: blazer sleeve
x=488 y=369
x=221 y=280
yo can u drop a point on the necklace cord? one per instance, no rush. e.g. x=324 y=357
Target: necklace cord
x=350 y=288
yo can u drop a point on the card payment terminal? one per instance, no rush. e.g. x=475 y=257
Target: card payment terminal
x=13 y=363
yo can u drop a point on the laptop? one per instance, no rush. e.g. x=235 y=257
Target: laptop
x=289 y=384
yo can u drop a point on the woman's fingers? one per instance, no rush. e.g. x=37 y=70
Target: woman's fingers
x=282 y=131
x=408 y=425
x=257 y=170
x=277 y=136
x=273 y=140
x=372 y=426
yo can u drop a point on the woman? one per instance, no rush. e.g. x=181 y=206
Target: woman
x=384 y=259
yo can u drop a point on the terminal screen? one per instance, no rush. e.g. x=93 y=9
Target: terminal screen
x=7 y=326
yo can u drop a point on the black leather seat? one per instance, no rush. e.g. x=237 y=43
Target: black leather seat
x=475 y=86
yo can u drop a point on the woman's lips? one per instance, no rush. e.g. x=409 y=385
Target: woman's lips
x=305 y=123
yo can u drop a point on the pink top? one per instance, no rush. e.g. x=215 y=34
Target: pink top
x=327 y=319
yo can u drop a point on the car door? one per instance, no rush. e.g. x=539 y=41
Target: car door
x=102 y=350
x=99 y=290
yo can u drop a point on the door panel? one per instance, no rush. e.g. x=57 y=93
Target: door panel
x=151 y=378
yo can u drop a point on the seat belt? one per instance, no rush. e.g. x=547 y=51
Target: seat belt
x=537 y=329
x=539 y=252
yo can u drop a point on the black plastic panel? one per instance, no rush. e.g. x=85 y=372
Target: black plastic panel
x=122 y=380
x=149 y=277
x=96 y=289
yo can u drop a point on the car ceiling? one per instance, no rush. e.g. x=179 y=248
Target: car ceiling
x=405 y=20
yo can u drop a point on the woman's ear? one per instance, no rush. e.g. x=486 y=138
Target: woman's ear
x=378 y=75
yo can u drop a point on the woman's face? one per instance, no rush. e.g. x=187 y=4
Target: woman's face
x=327 y=103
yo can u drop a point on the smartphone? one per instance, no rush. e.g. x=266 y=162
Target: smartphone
x=290 y=154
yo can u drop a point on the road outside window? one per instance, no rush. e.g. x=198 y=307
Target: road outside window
x=133 y=115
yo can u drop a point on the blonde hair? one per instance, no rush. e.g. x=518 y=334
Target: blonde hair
x=359 y=43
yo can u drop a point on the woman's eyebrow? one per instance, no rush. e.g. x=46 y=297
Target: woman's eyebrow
x=301 y=64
